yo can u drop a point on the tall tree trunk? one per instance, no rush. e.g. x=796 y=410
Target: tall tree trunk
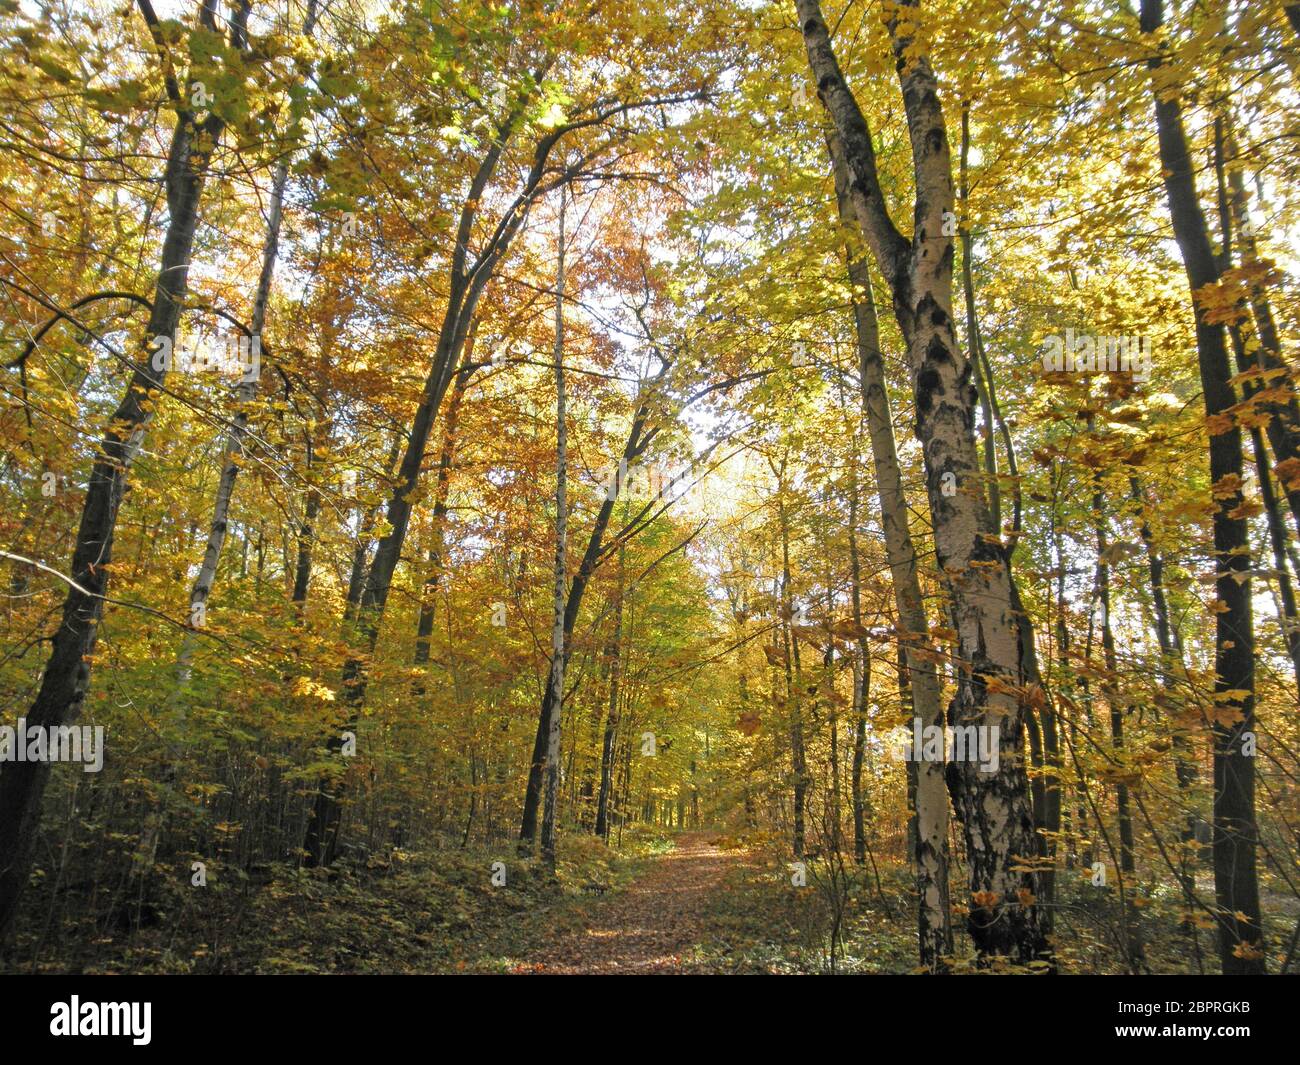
x=637 y=441
x=1118 y=712
x=612 y=721
x=1259 y=332
x=1172 y=669
x=245 y=391
x=861 y=678
x=438 y=532
x=993 y=806
x=793 y=678
x=67 y=671
x=466 y=284
x=1233 y=222
x=828 y=692
x=233 y=448
x=558 y=651
x=973 y=338
x=1236 y=882
x=934 y=922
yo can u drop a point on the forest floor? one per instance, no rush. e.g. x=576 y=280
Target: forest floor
x=654 y=925
x=673 y=903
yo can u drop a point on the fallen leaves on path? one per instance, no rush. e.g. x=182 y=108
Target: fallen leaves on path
x=654 y=926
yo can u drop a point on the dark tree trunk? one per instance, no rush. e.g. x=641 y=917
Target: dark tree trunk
x=611 y=722
x=67 y=672
x=637 y=441
x=1235 y=834
x=429 y=595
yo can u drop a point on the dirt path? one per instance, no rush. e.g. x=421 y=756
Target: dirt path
x=653 y=925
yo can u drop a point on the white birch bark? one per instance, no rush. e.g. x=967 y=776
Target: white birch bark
x=552 y=776
x=233 y=448
x=993 y=806
x=934 y=925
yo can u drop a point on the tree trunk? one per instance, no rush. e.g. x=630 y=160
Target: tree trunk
x=429 y=594
x=1236 y=882
x=233 y=448
x=558 y=649
x=1233 y=221
x=1259 y=332
x=611 y=722
x=67 y=672
x=1118 y=712
x=793 y=679
x=993 y=805
x=931 y=843
x=1172 y=669
x=637 y=441
x=973 y=338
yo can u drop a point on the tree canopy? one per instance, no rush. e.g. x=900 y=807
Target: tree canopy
x=451 y=450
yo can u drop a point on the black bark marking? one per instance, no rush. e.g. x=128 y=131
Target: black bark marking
x=928 y=382
x=983 y=551
x=936 y=351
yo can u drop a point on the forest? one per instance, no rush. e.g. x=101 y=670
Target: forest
x=719 y=487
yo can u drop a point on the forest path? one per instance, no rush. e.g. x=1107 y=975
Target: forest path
x=651 y=927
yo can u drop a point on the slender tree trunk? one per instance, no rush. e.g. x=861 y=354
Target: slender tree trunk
x=793 y=678
x=934 y=922
x=1118 y=712
x=861 y=679
x=994 y=806
x=973 y=338
x=1260 y=336
x=67 y=672
x=1235 y=833
x=1233 y=223
x=637 y=441
x=1172 y=669
x=612 y=721
x=466 y=284
x=558 y=650
x=233 y=448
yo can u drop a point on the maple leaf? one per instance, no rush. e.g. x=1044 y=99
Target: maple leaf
x=1288 y=472
x=1226 y=487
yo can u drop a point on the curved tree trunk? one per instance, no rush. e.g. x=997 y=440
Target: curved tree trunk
x=993 y=806
x=934 y=923
x=67 y=672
